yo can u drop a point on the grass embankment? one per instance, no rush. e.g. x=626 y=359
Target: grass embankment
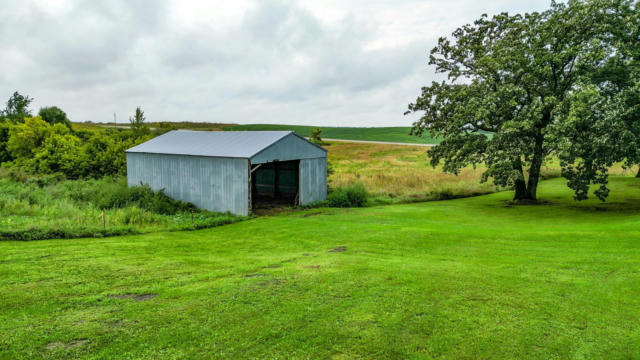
x=38 y=209
x=466 y=278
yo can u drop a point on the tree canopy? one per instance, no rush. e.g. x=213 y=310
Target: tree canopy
x=137 y=122
x=523 y=88
x=54 y=115
x=17 y=108
x=46 y=144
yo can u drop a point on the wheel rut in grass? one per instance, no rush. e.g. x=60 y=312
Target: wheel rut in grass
x=136 y=297
x=338 y=249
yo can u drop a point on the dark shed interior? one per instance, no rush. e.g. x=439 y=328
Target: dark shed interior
x=275 y=184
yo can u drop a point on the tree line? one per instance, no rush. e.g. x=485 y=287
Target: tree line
x=46 y=143
x=523 y=89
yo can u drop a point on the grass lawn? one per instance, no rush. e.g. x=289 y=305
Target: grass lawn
x=466 y=278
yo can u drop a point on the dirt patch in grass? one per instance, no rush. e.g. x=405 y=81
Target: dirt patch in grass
x=271 y=282
x=254 y=275
x=338 y=249
x=136 y=297
x=68 y=345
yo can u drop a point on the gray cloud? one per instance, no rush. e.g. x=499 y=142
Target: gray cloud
x=280 y=62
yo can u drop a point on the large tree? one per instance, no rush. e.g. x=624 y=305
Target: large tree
x=518 y=85
x=17 y=108
x=137 y=122
x=54 y=115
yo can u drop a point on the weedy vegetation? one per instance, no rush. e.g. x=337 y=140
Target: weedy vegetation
x=35 y=208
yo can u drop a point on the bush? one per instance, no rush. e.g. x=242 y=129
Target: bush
x=354 y=195
x=144 y=198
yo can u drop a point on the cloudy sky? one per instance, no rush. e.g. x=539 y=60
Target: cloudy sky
x=320 y=62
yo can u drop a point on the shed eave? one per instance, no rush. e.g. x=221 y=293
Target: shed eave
x=178 y=154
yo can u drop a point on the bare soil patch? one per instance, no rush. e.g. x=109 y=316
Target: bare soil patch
x=338 y=249
x=136 y=297
x=68 y=345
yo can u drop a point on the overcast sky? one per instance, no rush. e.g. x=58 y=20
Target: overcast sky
x=323 y=62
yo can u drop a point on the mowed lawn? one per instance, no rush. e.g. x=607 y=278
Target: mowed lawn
x=466 y=278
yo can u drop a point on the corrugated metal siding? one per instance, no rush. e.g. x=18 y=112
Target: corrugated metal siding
x=290 y=147
x=215 y=184
x=313 y=180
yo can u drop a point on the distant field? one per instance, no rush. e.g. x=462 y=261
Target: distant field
x=474 y=278
x=398 y=173
x=388 y=134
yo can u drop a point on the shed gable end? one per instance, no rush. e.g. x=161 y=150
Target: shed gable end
x=291 y=147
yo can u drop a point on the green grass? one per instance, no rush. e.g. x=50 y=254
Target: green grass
x=390 y=134
x=466 y=278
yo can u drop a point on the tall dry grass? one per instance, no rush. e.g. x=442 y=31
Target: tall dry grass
x=399 y=173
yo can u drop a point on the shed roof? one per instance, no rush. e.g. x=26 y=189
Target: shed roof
x=236 y=144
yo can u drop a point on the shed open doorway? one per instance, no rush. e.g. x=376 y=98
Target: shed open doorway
x=275 y=184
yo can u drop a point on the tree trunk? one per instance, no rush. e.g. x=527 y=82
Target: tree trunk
x=534 y=170
x=520 y=186
x=638 y=173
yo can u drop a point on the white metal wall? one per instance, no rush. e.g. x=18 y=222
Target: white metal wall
x=313 y=180
x=215 y=184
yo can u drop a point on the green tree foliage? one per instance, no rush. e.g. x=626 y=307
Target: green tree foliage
x=604 y=119
x=522 y=88
x=106 y=154
x=17 y=108
x=36 y=147
x=46 y=144
x=316 y=136
x=61 y=153
x=138 y=124
x=54 y=115
x=4 y=139
x=27 y=137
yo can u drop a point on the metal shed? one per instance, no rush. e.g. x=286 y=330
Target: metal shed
x=231 y=170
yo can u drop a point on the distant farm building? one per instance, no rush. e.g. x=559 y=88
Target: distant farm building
x=231 y=170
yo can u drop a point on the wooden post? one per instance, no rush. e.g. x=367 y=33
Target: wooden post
x=250 y=188
x=276 y=180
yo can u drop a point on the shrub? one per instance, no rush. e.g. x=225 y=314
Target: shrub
x=144 y=198
x=354 y=195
